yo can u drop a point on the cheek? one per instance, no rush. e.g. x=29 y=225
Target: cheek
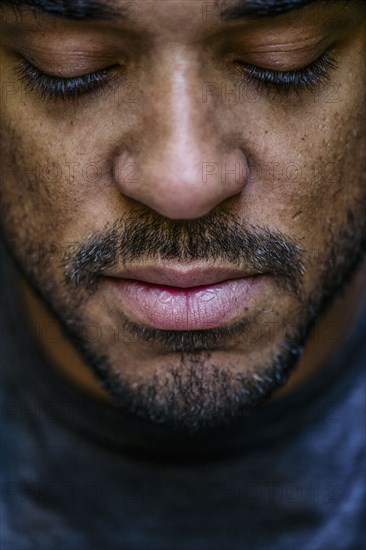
x=308 y=157
x=54 y=187
x=309 y=170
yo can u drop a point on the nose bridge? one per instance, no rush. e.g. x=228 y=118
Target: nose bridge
x=179 y=121
x=180 y=137
x=186 y=121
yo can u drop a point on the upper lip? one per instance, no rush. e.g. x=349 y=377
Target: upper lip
x=181 y=278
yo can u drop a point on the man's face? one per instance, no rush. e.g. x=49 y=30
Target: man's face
x=175 y=139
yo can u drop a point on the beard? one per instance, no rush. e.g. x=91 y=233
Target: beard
x=196 y=393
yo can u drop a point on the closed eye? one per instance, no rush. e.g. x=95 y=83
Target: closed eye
x=53 y=87
x=309 y=77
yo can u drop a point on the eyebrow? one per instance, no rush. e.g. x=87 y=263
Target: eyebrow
x=257 y=9
x=103 y=10
x=70 y=9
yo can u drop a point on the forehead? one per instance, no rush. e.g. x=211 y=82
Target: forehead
x=157 y=16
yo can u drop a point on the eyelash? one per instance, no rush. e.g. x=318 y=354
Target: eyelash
x=53 y=88
x=282 y=82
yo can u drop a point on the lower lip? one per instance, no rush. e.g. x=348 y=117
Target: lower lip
x=197 y=308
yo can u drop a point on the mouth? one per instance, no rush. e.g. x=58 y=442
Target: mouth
x=184 y=299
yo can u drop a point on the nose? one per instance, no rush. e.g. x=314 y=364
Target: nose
x=186 y=164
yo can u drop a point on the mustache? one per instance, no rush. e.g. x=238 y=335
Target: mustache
x=216 y=237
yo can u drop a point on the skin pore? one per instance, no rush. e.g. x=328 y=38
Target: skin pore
x=116 y=177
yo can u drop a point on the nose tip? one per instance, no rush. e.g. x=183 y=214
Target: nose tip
x=182 y=186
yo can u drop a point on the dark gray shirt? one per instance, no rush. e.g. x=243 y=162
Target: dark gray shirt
x=80 y=474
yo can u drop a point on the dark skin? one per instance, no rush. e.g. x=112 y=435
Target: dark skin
x=302 y=159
